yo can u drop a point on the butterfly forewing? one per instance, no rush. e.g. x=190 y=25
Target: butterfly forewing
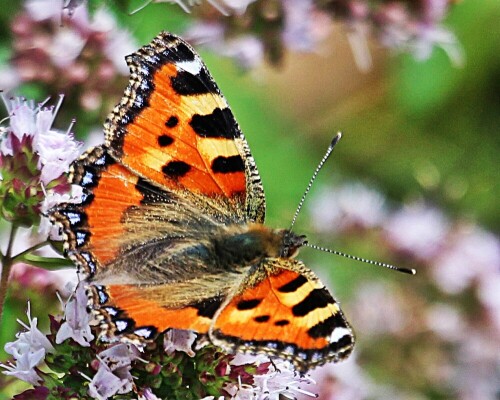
x=175 y=129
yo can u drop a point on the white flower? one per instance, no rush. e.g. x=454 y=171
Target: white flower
x=56 y=149
x=113 y=376
x=247 y=50
x=179 y=340
x=147 y=394
x=489 y=295
x=52 y=199
x=77 y=321
x=24 y=367
x=280 y=382
x=354 y=204
x=418 y=230
x=235 y=6
x=107 y=383
x=28 y=351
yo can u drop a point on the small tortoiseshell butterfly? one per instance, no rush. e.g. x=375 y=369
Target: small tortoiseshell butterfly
x=170 y=229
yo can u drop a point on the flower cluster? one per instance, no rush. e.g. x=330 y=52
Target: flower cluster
x=251 y=31
x=450 y=337
x=172 y=367
x=34 y=158
x=69 y=52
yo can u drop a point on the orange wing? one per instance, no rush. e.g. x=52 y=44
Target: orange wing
x=174 y=128
x=92 y=228
x=284 y=310
x=127 y=311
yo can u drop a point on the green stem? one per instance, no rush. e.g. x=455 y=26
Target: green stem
x=7 y=262
x=29 y=250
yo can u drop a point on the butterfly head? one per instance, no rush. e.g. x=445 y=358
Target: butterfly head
x=291 y=244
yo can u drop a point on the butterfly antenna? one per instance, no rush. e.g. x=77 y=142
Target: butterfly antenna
x=409 y=271
x=314 y=175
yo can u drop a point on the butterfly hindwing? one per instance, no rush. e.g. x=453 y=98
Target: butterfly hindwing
x=283 y=309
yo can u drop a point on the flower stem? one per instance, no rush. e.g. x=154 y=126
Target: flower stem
x=7 y=262
x=29 y=250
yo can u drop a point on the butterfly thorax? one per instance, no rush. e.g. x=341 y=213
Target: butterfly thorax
x=247 y=246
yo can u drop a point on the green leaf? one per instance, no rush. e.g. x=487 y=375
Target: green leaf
x=48 y=263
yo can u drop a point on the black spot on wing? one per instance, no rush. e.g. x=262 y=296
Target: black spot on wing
x=293 y=285
x=248 y=304
x=317 y=298
x=262 y=318
x=326 y=327
x=218 y=124
x=175 y=169
x=282 y=322
x=165 y=140
x=185 y=83
x=225 y=165
x=208 y=308
x=172 y=122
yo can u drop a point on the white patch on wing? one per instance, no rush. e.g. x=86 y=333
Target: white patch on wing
x=339 y=333
x=193 y=67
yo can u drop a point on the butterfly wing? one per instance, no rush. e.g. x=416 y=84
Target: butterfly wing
x=174 y=128
x=284 y=310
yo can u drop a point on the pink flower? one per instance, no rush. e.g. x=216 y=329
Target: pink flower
x=470 y=256
x=418 y=230
x=347 y=206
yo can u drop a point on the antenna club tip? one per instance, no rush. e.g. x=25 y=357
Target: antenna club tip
x=335 y=139
x=409 y=271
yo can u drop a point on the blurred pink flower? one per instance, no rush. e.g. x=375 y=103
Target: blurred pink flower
x=351 y=205
x=489 y=295
x=418 y=230
x=305 y=25
x=343 y=381
x=446 y=321
x=471 y=254
x=379 y=309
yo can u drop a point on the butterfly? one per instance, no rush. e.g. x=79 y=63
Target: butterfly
x=170 y=231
